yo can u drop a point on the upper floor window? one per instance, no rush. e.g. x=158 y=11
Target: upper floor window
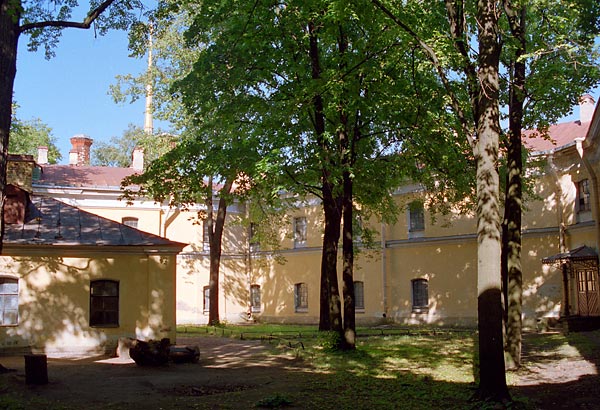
x=104 y=303
x=300 y=297
x=420 y=295
x=416 y=216
x=130 y=221
x=205 y=236
x=583 y=196
x=255 y=298
x=359 y=295
x=300 y=232
x=253 y=238
x=9 y=301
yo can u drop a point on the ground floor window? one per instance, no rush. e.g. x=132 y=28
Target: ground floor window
x=301 y=297
x=255 y=298
x=420 y=295
x=359 y=295
x=104 y=303
x=9 y=301
x=206 y=303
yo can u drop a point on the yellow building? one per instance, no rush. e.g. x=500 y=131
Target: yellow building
x=423 y=269
x=72 y=282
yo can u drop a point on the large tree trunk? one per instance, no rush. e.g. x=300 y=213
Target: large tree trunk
x=511 y=239
x=10 y=15
x=331 y=237
x=330 y=316
x=348 y=266
x=346 y=150
x=215 y=226
x=492 y=379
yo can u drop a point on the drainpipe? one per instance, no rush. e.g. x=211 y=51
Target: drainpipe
x=561 y=236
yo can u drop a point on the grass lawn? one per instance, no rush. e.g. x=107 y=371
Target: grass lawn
x=412 y=368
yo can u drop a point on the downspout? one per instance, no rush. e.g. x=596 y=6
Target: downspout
x=561 y=236
x=383 y=271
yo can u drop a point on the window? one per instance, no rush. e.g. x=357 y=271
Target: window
x=420 y=295
x=583 y=196
x=130 y=221
x=206 y=303
x=416 y=216
x=104 y=303
x=253 y=239
x=255 y=298
x=205 y=236
x=301 y=297
x=359 y=295
x=9 y=301
x=300 y=232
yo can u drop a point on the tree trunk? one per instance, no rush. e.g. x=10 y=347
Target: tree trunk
x=330 y=316
x=10 y=15
x=492 y=379
x=511 y=240
x=348 y=266
x=215 y=226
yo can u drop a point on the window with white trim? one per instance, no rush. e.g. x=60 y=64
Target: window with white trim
x=205 y=236
x=104 y=303
x=300 y=232
x=416 y=218
x=583 y=196
x=301 y=297
x=359 y=295
x=255 y=298
x=420 y=295
x=130 y=221
x=206 y=300
x=9 y=302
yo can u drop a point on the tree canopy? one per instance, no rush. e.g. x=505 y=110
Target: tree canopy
x=28 y=135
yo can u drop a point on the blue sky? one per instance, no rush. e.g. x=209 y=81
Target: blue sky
x=70 y=91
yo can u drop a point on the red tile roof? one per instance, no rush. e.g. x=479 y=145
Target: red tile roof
x=69 y=175
x=559 y=135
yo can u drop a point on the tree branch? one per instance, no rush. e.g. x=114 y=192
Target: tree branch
x=85 y=24
x=431 y=54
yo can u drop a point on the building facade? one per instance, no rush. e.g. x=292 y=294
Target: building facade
x=421 y=269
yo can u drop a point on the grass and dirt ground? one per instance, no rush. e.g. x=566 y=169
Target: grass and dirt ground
x=254 y=367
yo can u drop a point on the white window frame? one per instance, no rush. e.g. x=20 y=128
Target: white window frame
x=300 y=230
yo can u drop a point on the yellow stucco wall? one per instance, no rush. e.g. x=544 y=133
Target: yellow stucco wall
x=54 y=299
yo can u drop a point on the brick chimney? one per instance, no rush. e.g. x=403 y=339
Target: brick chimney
x=80 y=150
x=586 y=108
x=137 y=162
x=42 y=158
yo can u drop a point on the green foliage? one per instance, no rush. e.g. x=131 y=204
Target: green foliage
x=26 y=136
x=330 y=341
x=35 y=14
x=119 y=150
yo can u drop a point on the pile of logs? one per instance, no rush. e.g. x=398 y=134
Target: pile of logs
x=159 y=352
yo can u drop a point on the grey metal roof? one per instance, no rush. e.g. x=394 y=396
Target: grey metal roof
x=52 y=222
x=581 y=253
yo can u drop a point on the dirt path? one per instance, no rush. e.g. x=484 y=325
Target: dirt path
x=226 y=365
x=560 y=378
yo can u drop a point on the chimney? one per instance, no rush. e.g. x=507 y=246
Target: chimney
x=137 y=162
x=80 y=150
x=42 y=158
x=586 y=108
